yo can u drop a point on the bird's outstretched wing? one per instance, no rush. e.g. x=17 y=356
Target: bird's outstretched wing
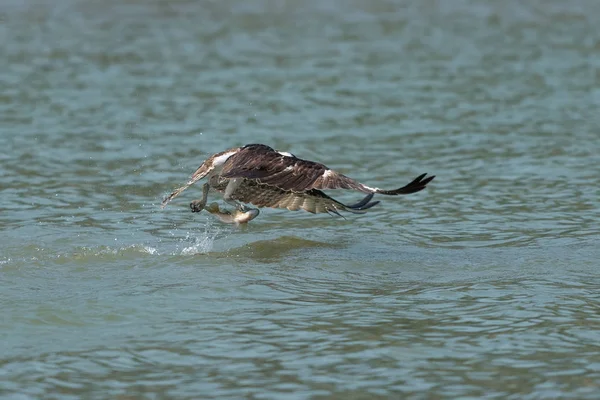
x=287 y=172
x=313 y=201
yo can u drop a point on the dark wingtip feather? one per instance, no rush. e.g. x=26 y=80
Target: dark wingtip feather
x=369 y=205
x=362 y=209
x=415 y=186
x=426 y=181
x=333 y=212
x=362 y=202
x=354 y=211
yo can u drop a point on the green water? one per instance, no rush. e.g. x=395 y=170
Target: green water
x=485 y=285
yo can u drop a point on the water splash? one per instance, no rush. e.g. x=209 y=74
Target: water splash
x=201 y=243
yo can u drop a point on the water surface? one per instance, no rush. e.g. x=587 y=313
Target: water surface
x=483 y=286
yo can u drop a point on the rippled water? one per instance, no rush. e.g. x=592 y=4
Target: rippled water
x=484 y=285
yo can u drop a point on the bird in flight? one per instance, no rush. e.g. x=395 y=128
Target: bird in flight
x=260 y=175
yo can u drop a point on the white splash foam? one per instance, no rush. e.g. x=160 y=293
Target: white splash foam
x=202 y=242
x=150 y=250
x=201 y=245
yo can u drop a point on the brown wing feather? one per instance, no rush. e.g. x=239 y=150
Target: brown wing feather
x=261 y=162
x=267 y=166
x=313 y=201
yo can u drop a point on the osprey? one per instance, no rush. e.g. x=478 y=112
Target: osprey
x=262 y=176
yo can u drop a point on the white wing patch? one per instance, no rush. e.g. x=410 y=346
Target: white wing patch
x=285 y=153
x=220 y=160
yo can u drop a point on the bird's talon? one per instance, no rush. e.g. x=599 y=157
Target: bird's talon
x=197 y=206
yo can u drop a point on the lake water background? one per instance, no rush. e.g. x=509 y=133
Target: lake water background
x=485 y=285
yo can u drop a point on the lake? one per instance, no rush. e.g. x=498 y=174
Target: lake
x=484 y=285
